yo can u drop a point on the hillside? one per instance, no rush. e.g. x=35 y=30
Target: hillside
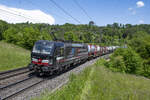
x=12 y=56
x=25 y=34
x=99 y=83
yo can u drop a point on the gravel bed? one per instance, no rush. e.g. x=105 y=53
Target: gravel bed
x=52 y=84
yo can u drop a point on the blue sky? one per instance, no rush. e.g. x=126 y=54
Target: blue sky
x=103 y=12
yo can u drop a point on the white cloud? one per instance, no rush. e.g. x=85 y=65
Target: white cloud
x=140 y=4
x=141 y=21
x=15 y=15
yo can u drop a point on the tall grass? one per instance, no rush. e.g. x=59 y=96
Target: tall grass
x=107 y=85
x=71 y=91
x=12 y=56
x=99 y=83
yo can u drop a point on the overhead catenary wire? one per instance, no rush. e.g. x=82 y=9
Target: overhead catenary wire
x=17 y=14
x=75 y=1
x=36 y=5
x=64 y=11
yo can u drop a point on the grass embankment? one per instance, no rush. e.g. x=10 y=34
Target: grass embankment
x=99 y=83
x=12 y=56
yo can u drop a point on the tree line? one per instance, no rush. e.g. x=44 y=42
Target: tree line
x=134 y=59
x=25 y=34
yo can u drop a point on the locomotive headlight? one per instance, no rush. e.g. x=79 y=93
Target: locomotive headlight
x=33 y=59
x=48 y=61
x=45 y=61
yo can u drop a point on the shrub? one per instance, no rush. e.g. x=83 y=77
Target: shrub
x=24 y=37
x=126 y=60
x=142 y=46
x=3 y=28
x=117 y=64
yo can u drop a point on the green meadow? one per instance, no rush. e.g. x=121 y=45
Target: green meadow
x=12 y=56
x=99 y=83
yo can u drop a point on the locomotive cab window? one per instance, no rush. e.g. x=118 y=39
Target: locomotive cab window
x=42 y=47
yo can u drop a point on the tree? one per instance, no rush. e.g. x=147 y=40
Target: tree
x=115 y=25
x=91 y=23
x=70 y=36
x=10 y=35
x=3 y=28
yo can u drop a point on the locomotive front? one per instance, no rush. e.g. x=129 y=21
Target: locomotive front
x=42 y=57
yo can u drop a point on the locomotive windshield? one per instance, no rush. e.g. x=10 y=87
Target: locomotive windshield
x=43 y=47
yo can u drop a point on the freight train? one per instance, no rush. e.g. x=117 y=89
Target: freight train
x=49 y=57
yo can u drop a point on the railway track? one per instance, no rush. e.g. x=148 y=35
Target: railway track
x=9 y=91
x=12 y=73
x=14 y=83
x=11 y=78
x=14 y=89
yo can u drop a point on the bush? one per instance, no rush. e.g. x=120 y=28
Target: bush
x=24 y=37
x=117 y=64
x=0 y=36
x=126 y=60
x=142 y=46
x=3 y=27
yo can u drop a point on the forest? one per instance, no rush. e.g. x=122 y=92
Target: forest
x=135 y=59
x=25 y=34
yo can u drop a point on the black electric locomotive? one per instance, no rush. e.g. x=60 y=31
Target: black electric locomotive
x=48 y=57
